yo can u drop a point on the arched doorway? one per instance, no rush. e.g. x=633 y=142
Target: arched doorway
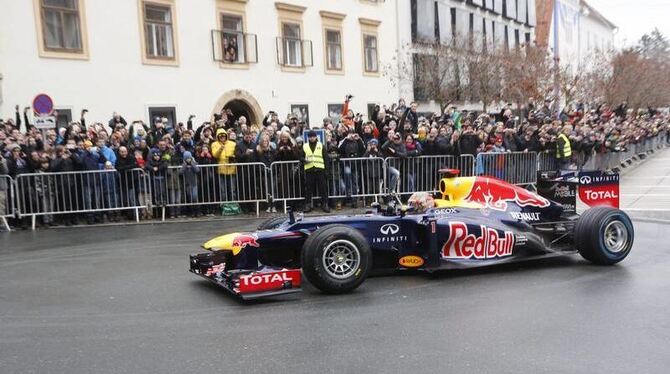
x=240 y=102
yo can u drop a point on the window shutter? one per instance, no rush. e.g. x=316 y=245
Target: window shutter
x=251 y=48
x=307 y=59
x=280 y=51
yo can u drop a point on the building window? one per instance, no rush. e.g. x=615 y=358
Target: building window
x=231 y=45
x=370 y=45
x=232 y=39
x=293 y=53
x=158 y=31
x=334 y=49
x=61 y=25
x=370 y=52
x=291 y=46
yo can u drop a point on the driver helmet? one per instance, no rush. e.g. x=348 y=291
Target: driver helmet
x=421 y=201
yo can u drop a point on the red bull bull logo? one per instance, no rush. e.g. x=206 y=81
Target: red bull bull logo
x=489 y=244
x=494 y=194
x=242 y=241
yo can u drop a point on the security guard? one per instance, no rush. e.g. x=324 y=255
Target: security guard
x=313 y=156
x=563 y=148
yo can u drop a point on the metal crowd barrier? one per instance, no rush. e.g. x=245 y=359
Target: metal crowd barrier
x=48 y=194
x=196 y=185
x=546 y=160
x=420 y=174
x=356 y=177
x=6 y=199
x=177 y=187
x=347 y=178
x=287 y=181
x=514 y=167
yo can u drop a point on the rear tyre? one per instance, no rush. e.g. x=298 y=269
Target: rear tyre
x=604 y=235
x=336 y=258
x=272 y=223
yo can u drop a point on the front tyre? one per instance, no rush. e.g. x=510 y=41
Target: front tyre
x=604 y=235
x=336 y=258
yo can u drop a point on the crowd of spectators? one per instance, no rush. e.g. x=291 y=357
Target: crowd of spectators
x=177 y=155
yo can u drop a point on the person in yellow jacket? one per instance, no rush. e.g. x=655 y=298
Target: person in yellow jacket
x=223 y=150
x=564 y=148
x=314 y=158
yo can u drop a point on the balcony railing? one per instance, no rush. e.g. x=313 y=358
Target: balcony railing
x=294 y=52
x=234 y=47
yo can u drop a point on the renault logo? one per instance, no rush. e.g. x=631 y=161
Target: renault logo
x=585 y=179
x=389 y=229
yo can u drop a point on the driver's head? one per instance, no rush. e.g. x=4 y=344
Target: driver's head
x=421 y=202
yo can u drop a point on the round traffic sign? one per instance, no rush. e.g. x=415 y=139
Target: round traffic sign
x=43 y=105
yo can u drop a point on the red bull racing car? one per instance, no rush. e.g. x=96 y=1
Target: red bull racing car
x=475 y=221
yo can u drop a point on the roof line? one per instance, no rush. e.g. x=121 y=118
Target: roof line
x=597 y=14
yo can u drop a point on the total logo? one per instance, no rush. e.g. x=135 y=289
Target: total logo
x=269 y=281
x=487 y=245
x=597 y=195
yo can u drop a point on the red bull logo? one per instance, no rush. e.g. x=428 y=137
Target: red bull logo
x=495 y=194
x=242 y=241
x=489 y=244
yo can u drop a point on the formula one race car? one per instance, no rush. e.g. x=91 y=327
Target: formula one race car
x=476 y=221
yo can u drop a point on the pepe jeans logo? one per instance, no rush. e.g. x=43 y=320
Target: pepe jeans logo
x=585 y=179
x=389 y=229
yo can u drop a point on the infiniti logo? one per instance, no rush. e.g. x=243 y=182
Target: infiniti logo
x=585 y=180
x=389 y=229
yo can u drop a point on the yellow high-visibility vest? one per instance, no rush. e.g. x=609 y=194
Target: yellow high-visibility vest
x=567 y=149
x=313 y=159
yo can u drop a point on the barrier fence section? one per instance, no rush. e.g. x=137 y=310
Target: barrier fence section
x=347 y=178
x=97 y=191
x=189 y=187
x=356 y=177
x=514 y=167
x=198 y=186
x=6 y=199
x=421 y=174
x=546 y=160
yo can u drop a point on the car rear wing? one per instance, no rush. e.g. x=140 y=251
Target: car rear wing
x=592 y=188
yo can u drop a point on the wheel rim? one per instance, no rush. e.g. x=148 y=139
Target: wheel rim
x=615 y=236
x=341 y=259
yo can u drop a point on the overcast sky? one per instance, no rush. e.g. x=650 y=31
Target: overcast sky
x=635 y=18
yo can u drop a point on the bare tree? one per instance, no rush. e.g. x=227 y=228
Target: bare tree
x=527 y=73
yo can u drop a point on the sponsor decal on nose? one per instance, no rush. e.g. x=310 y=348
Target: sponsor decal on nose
x=258 y=282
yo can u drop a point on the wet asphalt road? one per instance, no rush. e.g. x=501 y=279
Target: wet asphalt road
x=120 y=300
